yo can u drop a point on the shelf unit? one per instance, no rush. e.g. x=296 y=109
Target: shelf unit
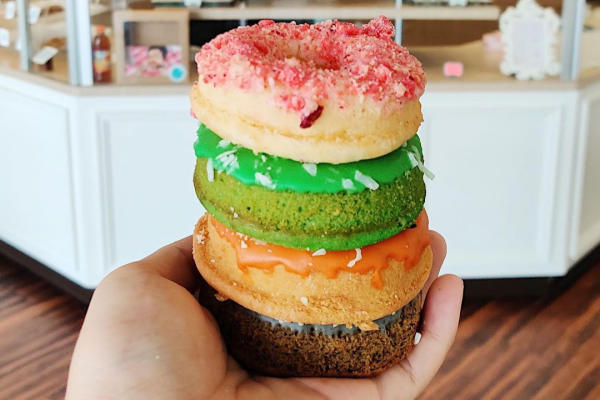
x=351 y=10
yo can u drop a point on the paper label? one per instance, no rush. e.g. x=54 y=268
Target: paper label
x=177 y=73
x=10 y=10
x=4 y=37
x=44 y=55
x=34 y=14
x=101 y=61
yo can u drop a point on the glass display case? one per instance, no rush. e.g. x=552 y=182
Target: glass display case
x=439 y=31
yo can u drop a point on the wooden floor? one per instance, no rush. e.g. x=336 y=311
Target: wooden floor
x=505 y=349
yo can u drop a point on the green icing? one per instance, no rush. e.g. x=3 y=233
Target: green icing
x=279 y=173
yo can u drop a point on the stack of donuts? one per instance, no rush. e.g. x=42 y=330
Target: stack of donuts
x=315 y=247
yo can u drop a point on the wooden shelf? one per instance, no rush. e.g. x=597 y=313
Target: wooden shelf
x=341 y=9
x=482 y=13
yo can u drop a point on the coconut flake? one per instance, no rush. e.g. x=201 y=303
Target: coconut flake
x=417 y=337
x=304 y=300
x=228 y=160
x=264 y=180
x=223 y=143
x=320 y=252
x=210 y=171
x=347 y=184
x=356 y=259
x=310 y=168
x=243 y=245
x=365 y=180
x=416 y=160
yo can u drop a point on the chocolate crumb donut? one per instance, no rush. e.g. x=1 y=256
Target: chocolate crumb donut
x=266 y=346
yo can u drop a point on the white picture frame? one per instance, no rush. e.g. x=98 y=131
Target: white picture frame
x=529 y=34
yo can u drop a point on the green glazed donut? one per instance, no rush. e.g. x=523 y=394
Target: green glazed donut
x=330 y=221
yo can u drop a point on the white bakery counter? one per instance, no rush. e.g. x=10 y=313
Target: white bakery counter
x=92 y=178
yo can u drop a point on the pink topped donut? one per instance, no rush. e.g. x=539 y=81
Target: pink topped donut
x=328 y=82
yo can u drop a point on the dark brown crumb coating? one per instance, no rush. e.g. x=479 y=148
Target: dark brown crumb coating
x=269 y=348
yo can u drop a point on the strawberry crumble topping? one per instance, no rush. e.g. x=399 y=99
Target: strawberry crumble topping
x=304 y=65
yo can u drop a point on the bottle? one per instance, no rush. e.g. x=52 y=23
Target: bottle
x=101 y=56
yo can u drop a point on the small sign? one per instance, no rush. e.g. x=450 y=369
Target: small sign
x=453 y=69
x=4 y=37
x=44 y=55
x=34 y=14
x=10 y=10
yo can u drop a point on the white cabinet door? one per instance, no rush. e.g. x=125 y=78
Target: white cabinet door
x=497 y=159
x=147 y=163
x=36 y=213
x=586 y=230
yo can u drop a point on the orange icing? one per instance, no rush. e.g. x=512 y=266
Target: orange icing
x=406 y=246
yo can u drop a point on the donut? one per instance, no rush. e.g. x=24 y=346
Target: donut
x=310 y=93
x=315 y=247
x=286 y=210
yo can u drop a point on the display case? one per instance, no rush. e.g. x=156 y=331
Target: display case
x=516 y=191
x=462 y=33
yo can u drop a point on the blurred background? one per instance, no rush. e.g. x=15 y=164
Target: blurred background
x=96 y=158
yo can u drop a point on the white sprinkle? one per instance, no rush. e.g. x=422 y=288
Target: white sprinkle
x=356 y=259
x=304 y=300
x=417 y=337
x=200 y=238
x=210 y=172
x=320 y=252
x=365 y=180
x=310 y=168
x=263 y=157
x=269 y=251
x=220 y=297
x=223 y=143
x=235 y=215
x=261 y=242
x=244 y=245
x=231 y=209
x=347 y=184
x=264 y=180
x=212 y=260
x=228 y=159
x=415 y=159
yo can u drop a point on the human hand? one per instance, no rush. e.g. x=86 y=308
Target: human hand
x=146 y=337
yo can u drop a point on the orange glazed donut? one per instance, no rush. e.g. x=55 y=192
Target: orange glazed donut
x=312 y=93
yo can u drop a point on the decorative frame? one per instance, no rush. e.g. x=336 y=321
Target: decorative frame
x=149 y=38
x=529 y=33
